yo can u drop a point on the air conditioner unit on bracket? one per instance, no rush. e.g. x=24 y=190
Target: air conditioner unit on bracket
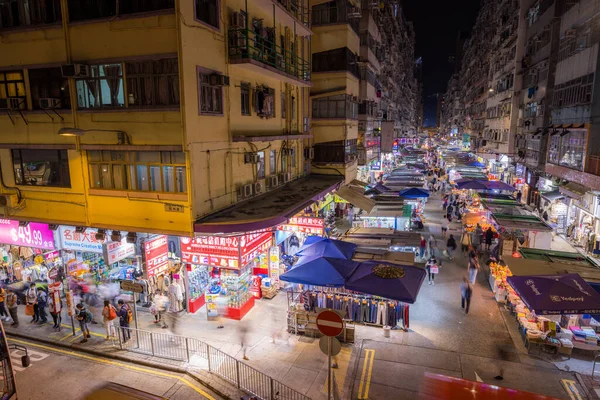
x=258 y=187
x=248 y=190
x=219 y=80
x=272 y=181
x=48 y=103
x=75 y=71
x=251 y=158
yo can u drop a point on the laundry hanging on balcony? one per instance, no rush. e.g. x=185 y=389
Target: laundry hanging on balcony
x=264 y=102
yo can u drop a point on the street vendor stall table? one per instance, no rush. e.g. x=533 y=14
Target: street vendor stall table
x=533 y=230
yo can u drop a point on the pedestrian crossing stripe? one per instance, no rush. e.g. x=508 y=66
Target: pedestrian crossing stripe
x=571 y=388
x=365 y=379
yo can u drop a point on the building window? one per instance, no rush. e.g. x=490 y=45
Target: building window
x=207 y=11
x=264 y=101
x=568 y=148
x=103 y=89
x=152 y=83
x=12 y=84
x=245 y=98
x=49 y=84
x=293 y=155
x=81 y=10
x=18 y=13
x=273 y=162
x=282 y=105
x=574 y=92
x=41 y=167
x=211 y=97
x=337 y=60
x=340 y=106
x=148 y=171
x=260 y=167
x=284 y=159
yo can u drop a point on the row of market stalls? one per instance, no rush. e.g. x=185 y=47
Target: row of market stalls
x=553 y=296
x=368 y=285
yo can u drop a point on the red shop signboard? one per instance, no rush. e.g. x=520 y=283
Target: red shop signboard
x=226 y=252
x=310 y=225
x=156 y=251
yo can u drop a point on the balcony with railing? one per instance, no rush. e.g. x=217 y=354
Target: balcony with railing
x=18 y=14
x=370 y=50
x=331 y=14
x=336 y=60
x=336 y=152
x=259 y=54
x=294 y=14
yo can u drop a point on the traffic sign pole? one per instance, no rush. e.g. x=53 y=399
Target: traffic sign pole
x=329 y=368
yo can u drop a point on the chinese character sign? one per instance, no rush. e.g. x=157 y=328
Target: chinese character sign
x=80 y=241
x=313 y=226
x=156 y=252
x=33 y=234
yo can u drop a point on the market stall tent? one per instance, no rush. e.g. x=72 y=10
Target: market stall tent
x=356 y=199
x=323 y=271
x=328 y=248
x=556 y=294
x=392 y=281
x=414 y=193
x=525 y=266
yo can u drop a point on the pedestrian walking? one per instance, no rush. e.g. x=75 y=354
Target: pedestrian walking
x=475 y=241
x=465 y=242
x=84 y=317
x=3 y=312
x=109 y=314
x=445 y=224
x=42 y=301
x=519 y=196
x=31 y=301
x=422 y=247
x=465 y=291
x=432 y=245
x=489 y=235
x=473 y=267
x=55 y=308
x=449 y=212
x=432 y=268
x=159 y=306
x=243 y=330
x=451 y=246
x=125 y=318
x=11 y=303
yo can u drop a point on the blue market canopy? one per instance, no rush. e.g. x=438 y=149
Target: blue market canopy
x=323 y=271
x=328 y=248
x=392 y=281
x=414 y=193
x=475 y=184
x=474 y=163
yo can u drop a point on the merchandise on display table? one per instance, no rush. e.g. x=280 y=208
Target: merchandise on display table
x=197 y=284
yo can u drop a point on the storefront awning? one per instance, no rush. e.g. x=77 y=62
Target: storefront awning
x=356 y=199
x=270 y=209
x=553 y=195
x=573 y=190
x=356 y=182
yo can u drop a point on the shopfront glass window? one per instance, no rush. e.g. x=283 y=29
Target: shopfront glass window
x=554 y=149
x=273 y=162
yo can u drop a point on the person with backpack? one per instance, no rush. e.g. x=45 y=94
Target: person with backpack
x=465 y=241
x=84 y=317
x=42 y=301
x=125 y=318
x=11 y=303
x=109 y=314
x=473 y=267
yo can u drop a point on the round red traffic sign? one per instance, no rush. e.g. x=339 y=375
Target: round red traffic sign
x=330 y=323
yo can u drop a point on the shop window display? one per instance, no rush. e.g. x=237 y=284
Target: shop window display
x=198 y=280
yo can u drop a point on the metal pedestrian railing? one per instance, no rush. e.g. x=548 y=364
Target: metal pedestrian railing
x=181 y=348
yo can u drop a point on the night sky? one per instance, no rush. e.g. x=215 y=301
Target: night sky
x=437 y=24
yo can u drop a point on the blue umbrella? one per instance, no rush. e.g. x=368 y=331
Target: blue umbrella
x=387 y=280
x=309 y=242
x=329 y=248
x=322 y=271
x=475 y=164
x=414 y=193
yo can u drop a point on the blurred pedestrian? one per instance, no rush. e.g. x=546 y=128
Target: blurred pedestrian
x=422 y=247
x=55 y=307
x=451 y=246
x=465 y=242
x=445 y=223
x=432 y=245
x=157 y=309
x=466 y=292
x=84 y=317
x=125 y=317
x=42 y=300
x=243 y=330
x=3 y=312
x=489 y=235
x=11 y=303
x=473 y=267
x=432 y=268
x=109 y=314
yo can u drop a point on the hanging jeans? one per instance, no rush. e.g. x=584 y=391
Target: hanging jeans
x=392 y=318
x=364 y=312
x=355 y=311
x=373 y=312
x=321 y=300
x=328 y=302
x=381 y=314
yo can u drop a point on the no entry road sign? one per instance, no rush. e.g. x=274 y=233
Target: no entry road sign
x=329 y=323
